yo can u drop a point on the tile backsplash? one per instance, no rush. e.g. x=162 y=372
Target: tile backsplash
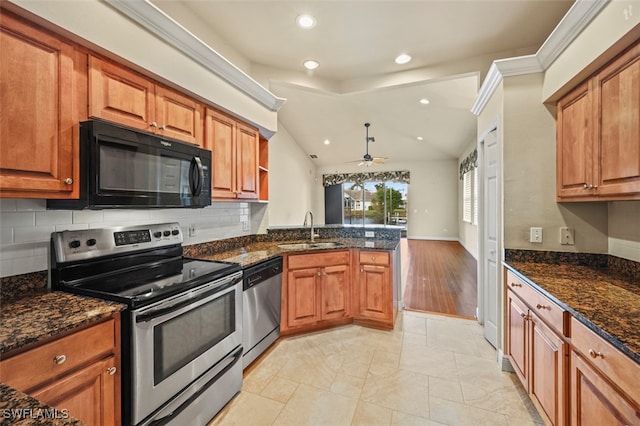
x=26 y=226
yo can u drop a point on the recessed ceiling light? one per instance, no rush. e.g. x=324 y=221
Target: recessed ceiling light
x=327 y=141
x=311 y=64
x=403 y=59
x=306 y=21
x=424 y=101
x=420 y=138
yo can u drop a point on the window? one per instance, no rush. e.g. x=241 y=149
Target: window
x=475 y=196
x=375 y=203
x=467 y=195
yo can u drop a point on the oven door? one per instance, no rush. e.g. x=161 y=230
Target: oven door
x=178 y=339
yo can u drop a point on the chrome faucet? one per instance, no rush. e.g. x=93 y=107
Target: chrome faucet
x=309 y=214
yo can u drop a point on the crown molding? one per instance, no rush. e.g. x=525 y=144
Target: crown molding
x=159 y=23
x=572 y=24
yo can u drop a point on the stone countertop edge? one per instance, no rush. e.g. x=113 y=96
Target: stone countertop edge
x=610 y=338
x=43 y=316
x=21 y=409
x=259 y=252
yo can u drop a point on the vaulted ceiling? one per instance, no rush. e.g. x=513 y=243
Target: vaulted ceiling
x=452 y=44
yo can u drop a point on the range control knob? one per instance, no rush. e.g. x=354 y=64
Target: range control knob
x=157 y=234
x=166 y=233
x=91 y=242
x=175 y=232
x=74 y=244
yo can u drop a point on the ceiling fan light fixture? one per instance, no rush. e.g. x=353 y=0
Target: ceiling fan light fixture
x=306 y=21
x=311 y=64
x=403 y=59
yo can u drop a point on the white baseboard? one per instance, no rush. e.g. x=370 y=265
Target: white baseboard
x=411 y=237
x=505 y=364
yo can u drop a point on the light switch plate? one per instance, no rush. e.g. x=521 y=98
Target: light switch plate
x=369 y=234
x=535 y=234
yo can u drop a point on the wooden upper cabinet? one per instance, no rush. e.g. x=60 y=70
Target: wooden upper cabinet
x=234 y=147
x=617 y=97
x=123 y=96
x=598 y=134
x=37 y=81
x=574 y=154
x=247 y=162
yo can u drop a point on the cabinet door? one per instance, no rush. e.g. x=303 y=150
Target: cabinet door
x=302 y=296
x=179 y=116
x=36 y=113
x=89 y=394
x=220 y=139
x=547 y=380
x=594 y=401
x=335 y=289
x=617 y=96
x=247 y=162
x=517 y=337
x=574 y=156
x=374 y=288
x=121 y=95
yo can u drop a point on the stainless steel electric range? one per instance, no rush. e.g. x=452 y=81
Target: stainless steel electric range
x=182 y=331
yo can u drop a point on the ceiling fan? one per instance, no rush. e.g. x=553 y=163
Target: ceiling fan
x=367 y=159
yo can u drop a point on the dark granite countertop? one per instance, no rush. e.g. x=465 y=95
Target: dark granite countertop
x=257 y=252
x=17 y=408
x=38 y=316
x=606 y=302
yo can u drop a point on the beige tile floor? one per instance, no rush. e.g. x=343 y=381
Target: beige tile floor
x=431 y=370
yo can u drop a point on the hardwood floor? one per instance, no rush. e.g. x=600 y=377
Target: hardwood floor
x=439 y=276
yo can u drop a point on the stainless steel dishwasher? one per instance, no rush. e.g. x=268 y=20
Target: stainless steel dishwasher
x=261 y=308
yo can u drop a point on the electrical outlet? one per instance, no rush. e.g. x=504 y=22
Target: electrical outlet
x=567 y=236
x=192 y=230
x=369 y=234
x=245 y=225
x=535 y=235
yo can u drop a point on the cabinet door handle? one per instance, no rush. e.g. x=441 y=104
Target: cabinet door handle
x=60 y=359
x=319 y=273
x=68 y=181
x=361 y=269
x=593 y=354
x=516 y=285
x=523 y=315
x=111 y=371
x=539 y=306
x=153 y=124
x=163 y=127
x=373 y=258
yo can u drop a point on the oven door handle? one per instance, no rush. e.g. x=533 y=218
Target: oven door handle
x=163 y=310
x=166 y=419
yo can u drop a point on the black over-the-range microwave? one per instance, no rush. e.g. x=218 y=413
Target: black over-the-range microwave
x=121 y=167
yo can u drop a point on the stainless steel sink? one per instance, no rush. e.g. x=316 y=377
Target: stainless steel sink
x=307 y=246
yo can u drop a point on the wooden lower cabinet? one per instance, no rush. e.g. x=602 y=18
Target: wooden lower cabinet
x=595 y=401
x=317 y=290
x=375 y=289
x=88 y=394
x=539 y=355
x=79 y=373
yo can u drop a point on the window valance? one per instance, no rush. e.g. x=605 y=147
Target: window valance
x=360 y=178
x=469 y=163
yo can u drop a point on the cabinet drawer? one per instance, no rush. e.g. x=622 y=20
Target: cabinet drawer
x=370 y=257
x=37 y=366
x=318 y=260
x=544 y=308
x=618 y=367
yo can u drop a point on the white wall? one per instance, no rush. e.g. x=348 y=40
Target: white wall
x=529 y=146
x=467 y=232
x=624 y=229
x=292 y=181
x=26 y=226
x=432 y=196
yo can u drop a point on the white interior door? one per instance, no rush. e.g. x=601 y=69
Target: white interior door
x=490 y=236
